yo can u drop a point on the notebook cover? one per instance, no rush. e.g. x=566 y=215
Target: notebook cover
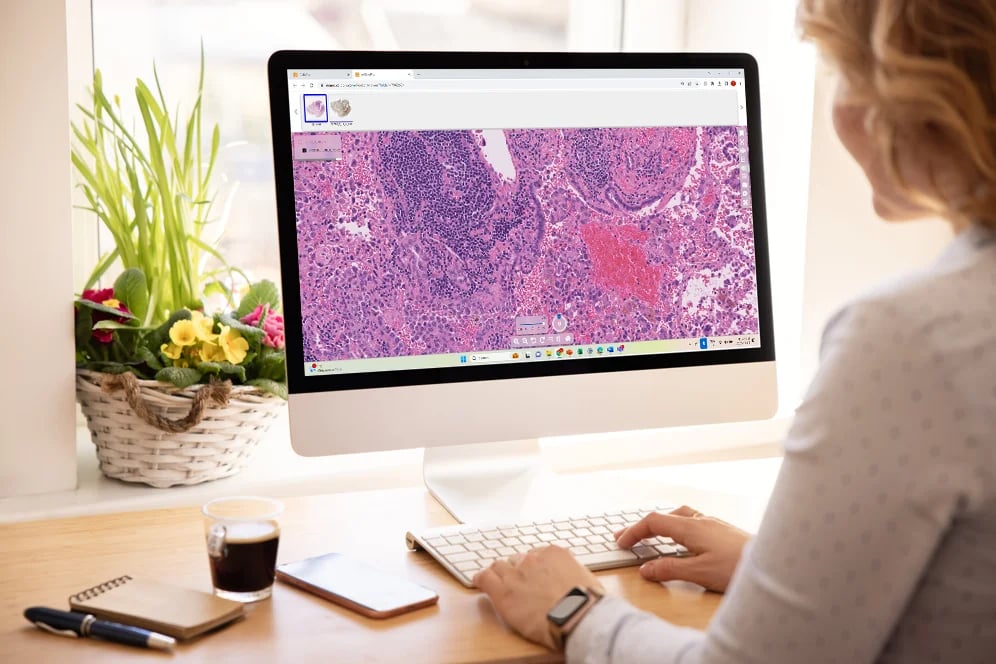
x=157 y=606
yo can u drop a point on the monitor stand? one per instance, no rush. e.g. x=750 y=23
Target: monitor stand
x=488 y=482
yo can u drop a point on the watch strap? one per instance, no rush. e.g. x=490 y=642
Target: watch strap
x=561 y=632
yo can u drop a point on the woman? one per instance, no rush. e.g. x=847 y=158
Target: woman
x=879 y=542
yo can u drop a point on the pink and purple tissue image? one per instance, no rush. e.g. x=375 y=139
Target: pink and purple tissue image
x=427 y=242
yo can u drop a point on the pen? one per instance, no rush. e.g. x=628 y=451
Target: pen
x=71 y=623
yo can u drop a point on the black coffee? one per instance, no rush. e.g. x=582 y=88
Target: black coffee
x=247 y=559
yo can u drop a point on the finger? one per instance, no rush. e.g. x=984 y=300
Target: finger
x=515 y=559
x=487 y=581
x=501 y=568
x=668 y=525
x=671 y=569
x=685 y=510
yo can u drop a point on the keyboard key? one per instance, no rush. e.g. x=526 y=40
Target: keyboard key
x=529 y=539
x=579 y=550
x=450 y=549
x=578 y=532
x=598 y=521
x=562 y=526
x=488 y=555
x=469 y=566
x=474 y=546
x=456 y=539
x=666 y=549
x=547 y=537
x=596 y=548
x=546 y=528
x=680 y=548
x=492 y=544
x=492 y=535
x=461 y=557
x=436 y=541
x=665 y=540
x=509 y=532
x=580 y=523
x=607 y=558
x=474 y=537
x=511 y=541
x=601 y=530
x=506 y=551
x=578 y=541
x=645 y=552
x=528 y=530
x=523 y=548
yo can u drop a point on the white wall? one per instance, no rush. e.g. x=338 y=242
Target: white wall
x=848 y=249
x=37 y=422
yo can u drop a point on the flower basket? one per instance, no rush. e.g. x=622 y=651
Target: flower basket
x=154 y=433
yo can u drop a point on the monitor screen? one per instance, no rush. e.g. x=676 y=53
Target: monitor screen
x=498 y=247
x=483 y=222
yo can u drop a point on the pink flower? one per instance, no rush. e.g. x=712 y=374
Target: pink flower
x=273 y=325
x=105 y=297
x=98 y=296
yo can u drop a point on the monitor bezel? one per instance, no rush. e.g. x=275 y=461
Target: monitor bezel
x=281 y=62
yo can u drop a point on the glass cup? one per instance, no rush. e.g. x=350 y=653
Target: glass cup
x=242 y=537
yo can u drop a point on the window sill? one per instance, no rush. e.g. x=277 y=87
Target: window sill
x=742 y=458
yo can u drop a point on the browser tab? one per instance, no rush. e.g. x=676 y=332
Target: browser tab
x=383 y=74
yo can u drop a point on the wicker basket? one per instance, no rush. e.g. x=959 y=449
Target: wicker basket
x=218 y=440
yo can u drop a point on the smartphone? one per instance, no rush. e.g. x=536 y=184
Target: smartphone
x=356 y=585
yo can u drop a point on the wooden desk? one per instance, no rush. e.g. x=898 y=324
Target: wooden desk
x=43 y=562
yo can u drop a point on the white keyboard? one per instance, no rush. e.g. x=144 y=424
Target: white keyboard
x=467 y=548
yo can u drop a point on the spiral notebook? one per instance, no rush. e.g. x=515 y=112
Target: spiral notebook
x=157 y=606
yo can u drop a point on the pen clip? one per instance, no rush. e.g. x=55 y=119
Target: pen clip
x=60 y=632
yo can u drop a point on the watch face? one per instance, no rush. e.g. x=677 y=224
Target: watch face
x=566 y=608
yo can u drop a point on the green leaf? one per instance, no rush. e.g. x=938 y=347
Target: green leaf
x=114 y=325
x=271 y=386
x=179 y=376
x=132 y=290
x=273 y=365
x=96 y=306
x=227 y=368
x=248 y=331
x=146 y=355
x=261 y=292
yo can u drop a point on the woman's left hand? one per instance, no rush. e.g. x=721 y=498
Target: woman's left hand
x=525 y=587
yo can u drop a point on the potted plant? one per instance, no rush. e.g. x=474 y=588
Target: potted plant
x=172 y=393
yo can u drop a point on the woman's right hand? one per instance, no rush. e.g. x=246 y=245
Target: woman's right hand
x=716 y=544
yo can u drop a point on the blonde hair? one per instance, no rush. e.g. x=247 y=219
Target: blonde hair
x=923 y=68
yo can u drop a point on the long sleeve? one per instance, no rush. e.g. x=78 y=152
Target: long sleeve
x=870 y=483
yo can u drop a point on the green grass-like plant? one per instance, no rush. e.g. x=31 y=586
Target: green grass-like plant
x=152 y=190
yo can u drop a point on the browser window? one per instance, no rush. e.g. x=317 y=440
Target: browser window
x=447 y=218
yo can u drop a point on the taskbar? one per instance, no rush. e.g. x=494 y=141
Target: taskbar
x=550 y=353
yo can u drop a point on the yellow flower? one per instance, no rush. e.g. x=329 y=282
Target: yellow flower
x=232 y=345
x=112 y=303
x=211 y=352
x=203 y=327
x=183 y=333
x=172 y=351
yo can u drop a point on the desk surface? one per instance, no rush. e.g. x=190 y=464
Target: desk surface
x=43 y=562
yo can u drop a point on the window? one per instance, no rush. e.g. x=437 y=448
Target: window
x=238 y=36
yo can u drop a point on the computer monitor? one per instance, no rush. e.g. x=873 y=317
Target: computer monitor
x=481 y=247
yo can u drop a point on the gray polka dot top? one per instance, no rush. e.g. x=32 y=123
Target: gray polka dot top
x=879 y=542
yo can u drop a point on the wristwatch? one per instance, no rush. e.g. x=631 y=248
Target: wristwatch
x=568 y=612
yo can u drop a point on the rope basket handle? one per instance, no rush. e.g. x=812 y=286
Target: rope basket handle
x=216 y=391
